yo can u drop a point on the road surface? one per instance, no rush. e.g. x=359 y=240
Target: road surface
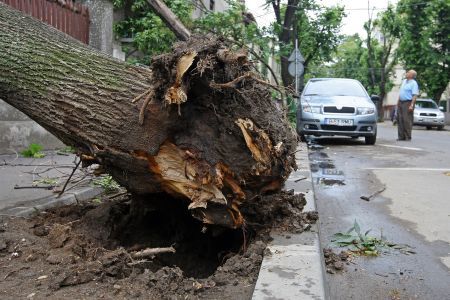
x=412 y=207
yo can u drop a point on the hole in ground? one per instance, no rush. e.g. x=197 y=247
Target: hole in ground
x=163 y=221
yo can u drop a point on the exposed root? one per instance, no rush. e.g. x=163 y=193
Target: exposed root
x=148 y=96
x=232 y=84
x=151 y=252
x=146 y=102
x=140 y=96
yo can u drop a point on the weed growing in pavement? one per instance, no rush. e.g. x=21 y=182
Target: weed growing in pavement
x=97 y=200
x=34 y=151
x=108 y=184
x=364 y=244
x=66 y=150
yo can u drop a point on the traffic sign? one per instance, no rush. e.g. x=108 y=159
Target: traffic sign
x=300 y=69
x=294 y=54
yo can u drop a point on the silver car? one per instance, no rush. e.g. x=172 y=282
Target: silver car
x=427 y=113
x=337 y=106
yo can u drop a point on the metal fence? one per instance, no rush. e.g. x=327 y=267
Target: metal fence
x=65 y=15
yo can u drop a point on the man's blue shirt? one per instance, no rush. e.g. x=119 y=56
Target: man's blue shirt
x=408 y=89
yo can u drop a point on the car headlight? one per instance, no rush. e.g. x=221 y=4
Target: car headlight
x=365 y=110
x=311 y=109
x=440 y=114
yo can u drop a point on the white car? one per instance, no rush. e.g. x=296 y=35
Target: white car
x=427 y=113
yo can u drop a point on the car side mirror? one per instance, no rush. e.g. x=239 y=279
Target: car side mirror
x=441 y=108
x=375 y=98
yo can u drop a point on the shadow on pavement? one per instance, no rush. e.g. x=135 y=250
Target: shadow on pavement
x=340 y=141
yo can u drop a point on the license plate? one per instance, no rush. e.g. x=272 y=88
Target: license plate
x=332 y=172
x=339 y=122
x=429 y=120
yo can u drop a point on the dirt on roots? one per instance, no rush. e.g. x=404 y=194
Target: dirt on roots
x=86 y=251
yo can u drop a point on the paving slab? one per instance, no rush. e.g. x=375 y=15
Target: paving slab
x=19 y=177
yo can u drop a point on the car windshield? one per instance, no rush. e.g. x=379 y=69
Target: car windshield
x=426 y=104
x=329 y=87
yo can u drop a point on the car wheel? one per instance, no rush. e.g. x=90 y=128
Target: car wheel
x=370 y=140
x=429 y=127
x=440 y=127
x=302 y=137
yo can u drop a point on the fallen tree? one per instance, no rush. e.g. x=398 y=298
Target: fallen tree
x=196 y=124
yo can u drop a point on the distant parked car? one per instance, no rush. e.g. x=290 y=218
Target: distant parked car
x=337 y=106
x=427 y=113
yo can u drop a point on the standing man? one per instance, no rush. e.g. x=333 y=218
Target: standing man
x=405 y=105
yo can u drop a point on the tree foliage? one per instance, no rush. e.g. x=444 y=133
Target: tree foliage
x=381 y=55
x=150 y=35
x=350 y=60
x=316 y=27
x=425 y=42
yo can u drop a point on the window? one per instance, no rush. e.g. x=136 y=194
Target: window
x=426 y=104
x=212 y=4
x=334 y=87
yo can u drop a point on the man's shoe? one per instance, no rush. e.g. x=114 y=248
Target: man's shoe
x=401 y=140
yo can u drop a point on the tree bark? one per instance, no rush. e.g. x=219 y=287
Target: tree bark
x=210 y=131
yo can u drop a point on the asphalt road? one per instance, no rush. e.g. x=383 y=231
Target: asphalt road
x=411 y=181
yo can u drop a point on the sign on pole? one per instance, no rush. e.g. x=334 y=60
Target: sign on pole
x=300 y=69
x=296 y=54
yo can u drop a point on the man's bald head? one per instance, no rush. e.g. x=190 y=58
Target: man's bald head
x=411 y=74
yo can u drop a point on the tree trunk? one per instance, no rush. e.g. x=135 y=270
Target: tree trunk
x=210 y=131
x=285 y=38
x=170 y=19
x=382 y=87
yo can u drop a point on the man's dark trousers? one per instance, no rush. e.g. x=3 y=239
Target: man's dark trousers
x=405 y=120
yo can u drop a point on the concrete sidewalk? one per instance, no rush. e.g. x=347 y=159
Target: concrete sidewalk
x=23 y=181
x=295 y=269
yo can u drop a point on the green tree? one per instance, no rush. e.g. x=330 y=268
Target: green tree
x=425 y=42
x=315 y=26
x=318 y=34
x=381 y=55
x=350 y=60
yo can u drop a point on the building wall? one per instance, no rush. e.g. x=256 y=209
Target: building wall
x=17 y=131
x=201 y=6
x=100 y=29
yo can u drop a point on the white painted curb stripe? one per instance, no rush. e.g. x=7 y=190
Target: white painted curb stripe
x=411 y=169
x=401 y=147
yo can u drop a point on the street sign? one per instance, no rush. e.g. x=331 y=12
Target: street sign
x=300 y=69
x=294 y=54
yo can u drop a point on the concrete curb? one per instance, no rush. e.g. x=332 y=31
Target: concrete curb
x=295 y=269
x=26 y=208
